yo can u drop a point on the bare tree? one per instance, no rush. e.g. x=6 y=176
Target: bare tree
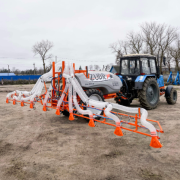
x=175 y=52
x=17 y=72
x=154 y=39
x=90 y=67
x=135 y=42
x=103 y=68
x=150 y=36
x=96 y=67
x=42 y=48
x=108 y=67
x=157 y=38
x=166 y=39
x=49 y=66
x=120 y=48
x=169 y=59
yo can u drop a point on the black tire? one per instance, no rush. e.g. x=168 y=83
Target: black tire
x=149 y=95
x=65 y=113
x=95 y=95
x=173 y=97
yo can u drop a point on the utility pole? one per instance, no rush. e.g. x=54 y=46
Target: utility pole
x=8 y=70
x=34 y=68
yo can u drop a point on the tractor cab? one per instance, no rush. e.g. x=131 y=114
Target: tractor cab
x=141 y=79
x=136 y=65
x=134 y=69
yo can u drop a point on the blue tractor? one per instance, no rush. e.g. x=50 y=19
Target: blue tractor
x=141 y=79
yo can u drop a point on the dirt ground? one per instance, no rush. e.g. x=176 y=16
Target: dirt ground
x=43 y=146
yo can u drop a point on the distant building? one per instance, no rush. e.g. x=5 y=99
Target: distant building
x=115 y=69
x=7 y=74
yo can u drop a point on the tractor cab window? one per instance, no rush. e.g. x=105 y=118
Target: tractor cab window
x=124 y=67
x=130 y=67
x=134 y=67
x=152 y=65
x=145 y=66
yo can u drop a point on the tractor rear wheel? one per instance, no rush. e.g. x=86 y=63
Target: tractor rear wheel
x=173 y=97
x=149 y=95
x=95 y=95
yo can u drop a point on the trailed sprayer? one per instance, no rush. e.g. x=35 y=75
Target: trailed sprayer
x=81 y=93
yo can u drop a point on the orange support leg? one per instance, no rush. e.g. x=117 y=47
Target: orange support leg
x=57 y=112
x=91 y=122
x=155 y=142
x=7 y=100
x=22 y=103
x=118 y=130
x=31 y=105
x=14 y=101
x=44 y=108
x=71 y=117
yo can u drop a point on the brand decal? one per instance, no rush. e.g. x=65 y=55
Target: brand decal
x=100 y=77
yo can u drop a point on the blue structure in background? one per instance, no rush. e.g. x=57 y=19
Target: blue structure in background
x=176 y=81
x=114 y=69
x=15 y=78
x=7 y=74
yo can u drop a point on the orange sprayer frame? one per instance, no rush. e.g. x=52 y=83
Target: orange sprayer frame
x=108 y=96
x=52 y=103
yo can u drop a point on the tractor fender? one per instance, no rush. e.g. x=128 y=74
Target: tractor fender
x=168 y=90
x=140 y=81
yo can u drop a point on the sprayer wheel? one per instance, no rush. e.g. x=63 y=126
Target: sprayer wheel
x=95 y=95
x=173 y=97
x=65 y=113
x=149 y=95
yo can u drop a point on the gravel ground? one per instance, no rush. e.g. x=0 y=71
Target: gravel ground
x=43 y=146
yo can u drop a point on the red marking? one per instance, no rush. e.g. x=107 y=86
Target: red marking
x=108 y=75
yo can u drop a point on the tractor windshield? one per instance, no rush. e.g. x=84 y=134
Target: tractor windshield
x=130 y=67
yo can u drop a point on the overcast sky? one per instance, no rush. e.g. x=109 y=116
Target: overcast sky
x=81 y=30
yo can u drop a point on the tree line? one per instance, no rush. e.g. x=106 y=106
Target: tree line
x=156 y=39
x=39 y=71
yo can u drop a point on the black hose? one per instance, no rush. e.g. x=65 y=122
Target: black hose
x=126 y=85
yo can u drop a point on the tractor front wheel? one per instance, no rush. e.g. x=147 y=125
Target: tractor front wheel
x=172 y=97
x=149 y=95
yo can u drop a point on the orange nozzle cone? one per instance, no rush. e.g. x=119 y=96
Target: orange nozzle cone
x=7 y=100
x=71 y=117
x=57 y=112
x=44 y=108
x=22 y=103
x=14 y=101
x=155 y=142
x=118 y=131
x=91 y=123
x=31 y=105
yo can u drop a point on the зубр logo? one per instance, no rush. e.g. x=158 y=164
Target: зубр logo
x=100 y=77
